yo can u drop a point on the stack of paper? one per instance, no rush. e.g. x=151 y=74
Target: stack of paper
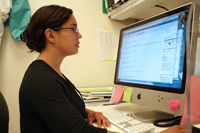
x=96 y=94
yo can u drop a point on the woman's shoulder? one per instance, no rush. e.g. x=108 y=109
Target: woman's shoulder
x=40 y=72
x=40 y=77
x=39 y=64
x=39 y=67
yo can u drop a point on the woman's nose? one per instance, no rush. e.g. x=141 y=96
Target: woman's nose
x=79 y=35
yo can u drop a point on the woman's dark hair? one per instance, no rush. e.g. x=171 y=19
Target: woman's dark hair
x=52 y=16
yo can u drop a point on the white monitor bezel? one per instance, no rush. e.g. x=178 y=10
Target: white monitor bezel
x=157 y=88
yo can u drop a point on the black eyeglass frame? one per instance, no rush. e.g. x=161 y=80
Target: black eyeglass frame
x=75 y=29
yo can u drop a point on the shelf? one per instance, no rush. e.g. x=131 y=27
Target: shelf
x=141 y=9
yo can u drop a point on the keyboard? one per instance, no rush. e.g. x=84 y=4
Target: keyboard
x=126 y=123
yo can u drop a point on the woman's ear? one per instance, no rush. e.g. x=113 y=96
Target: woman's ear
x=49 y=35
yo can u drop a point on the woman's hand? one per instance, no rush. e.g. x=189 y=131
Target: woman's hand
x=99 y=117
x=176 y=129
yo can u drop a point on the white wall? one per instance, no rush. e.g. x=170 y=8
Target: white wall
x=83 y=69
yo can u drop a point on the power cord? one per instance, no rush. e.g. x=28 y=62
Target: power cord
x=168 y=122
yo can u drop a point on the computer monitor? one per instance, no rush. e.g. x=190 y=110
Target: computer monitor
x=152 y=60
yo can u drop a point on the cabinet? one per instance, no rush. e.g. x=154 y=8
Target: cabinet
x=141 y=9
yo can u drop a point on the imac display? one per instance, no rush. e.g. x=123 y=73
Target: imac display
x=152 y=60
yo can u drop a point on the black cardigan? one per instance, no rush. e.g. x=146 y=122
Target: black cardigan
x=50 y=104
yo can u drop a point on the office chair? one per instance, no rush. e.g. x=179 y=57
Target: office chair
x=4 y=115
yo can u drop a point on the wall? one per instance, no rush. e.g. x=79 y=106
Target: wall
x=83 y=69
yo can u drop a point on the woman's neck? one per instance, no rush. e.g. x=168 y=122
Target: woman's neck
x=51 y=60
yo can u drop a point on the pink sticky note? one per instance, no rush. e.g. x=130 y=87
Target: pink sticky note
x=117 y=94
x=194 y=102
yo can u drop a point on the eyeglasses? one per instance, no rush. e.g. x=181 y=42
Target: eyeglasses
x=75 y=29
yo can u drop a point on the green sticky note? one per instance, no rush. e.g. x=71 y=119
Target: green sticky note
x=127 y=94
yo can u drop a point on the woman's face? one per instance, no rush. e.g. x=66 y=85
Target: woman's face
x=67 y=40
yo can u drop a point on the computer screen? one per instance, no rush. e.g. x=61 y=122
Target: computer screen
x=152 y=58
x=152 y=54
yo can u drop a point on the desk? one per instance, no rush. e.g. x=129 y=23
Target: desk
x=124 y=108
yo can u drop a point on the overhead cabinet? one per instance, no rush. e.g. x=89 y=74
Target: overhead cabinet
x=141 y=9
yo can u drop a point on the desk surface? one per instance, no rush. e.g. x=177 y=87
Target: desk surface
x=125 y=108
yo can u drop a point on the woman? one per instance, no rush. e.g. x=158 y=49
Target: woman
x=49 y=102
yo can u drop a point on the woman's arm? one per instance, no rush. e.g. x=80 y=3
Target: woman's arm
x=176 y=129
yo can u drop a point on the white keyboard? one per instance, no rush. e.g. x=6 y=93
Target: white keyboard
x=126 y=123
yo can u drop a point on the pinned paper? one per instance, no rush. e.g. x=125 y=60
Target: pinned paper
x=107 y=44
x=117 y=94
x=127 y=94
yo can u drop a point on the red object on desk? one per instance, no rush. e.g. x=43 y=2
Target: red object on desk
x=194 y=102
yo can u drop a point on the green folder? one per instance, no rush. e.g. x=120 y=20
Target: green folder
x=104 y=7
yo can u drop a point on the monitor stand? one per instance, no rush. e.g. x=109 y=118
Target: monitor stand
x=150 y=116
